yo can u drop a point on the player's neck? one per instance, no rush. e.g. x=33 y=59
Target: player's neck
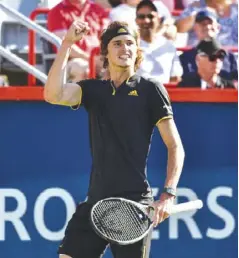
x=118 y=77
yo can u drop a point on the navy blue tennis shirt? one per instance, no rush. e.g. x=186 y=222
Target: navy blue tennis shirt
x=121 y=122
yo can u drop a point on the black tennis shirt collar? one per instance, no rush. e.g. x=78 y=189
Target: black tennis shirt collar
x=131 y=82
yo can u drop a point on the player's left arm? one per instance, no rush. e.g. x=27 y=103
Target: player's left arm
x=162 y=116
x=172 y=140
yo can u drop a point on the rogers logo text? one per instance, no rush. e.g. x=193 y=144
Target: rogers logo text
x=16 y=216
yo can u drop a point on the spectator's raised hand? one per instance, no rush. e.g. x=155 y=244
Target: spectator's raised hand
x=168 y=29
x=76 y=31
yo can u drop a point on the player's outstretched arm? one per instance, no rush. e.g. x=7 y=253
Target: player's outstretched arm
x=57 y=90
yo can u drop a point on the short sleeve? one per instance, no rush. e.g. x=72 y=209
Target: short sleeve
x=87 y=93
x=159 y=102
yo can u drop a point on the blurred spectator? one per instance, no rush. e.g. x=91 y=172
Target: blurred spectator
x=185 y=3
x=59 y=20
x=114 y=3
x=206 y=26
x=209 y=60
x=103 y=3
x=127 y=11
x=181 y=4
x=167 y=28
x=3 y=81
x=160 y=57
x=227 y=14
x=169 y=3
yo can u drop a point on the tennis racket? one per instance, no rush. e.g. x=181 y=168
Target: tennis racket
x=124 y=222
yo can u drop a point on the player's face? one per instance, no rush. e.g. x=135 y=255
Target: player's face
x=206 y=28
x=122 y=51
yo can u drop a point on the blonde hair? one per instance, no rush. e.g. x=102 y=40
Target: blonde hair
x=104 y=44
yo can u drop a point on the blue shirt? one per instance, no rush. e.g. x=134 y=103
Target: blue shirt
x=229 y=70
x=228 y=34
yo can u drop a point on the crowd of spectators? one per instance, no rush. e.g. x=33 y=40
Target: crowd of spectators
x=210 y=27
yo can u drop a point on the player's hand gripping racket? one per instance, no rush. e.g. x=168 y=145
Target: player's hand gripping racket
x=124 y=222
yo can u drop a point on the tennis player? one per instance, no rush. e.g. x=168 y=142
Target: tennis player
x=123 y=112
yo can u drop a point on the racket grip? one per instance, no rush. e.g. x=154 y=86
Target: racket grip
x=187 y=206
x=150 y=211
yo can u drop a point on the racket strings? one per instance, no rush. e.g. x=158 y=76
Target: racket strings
x=120 y=221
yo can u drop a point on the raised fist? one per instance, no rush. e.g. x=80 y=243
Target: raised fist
x=76 y=31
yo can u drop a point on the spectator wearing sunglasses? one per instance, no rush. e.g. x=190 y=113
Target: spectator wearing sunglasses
x=206 y=26
x=126 y=11
x=160 y=56
x=209 y=60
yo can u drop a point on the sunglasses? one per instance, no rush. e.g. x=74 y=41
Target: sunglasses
x=144 y=16
x=213 y=58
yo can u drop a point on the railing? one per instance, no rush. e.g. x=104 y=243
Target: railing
x=34 y=27
x=32 y=43
x=92 y=71
x=94 y=52
x=23 y=64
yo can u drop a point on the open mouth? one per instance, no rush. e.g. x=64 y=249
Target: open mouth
x=124 y=57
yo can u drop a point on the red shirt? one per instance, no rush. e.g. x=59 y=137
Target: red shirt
x=62 y=16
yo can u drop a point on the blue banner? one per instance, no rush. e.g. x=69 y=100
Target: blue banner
x=45 y=166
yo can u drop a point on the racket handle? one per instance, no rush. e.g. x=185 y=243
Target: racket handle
x=187 y=206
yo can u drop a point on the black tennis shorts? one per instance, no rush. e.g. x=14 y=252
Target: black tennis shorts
x=81 y=241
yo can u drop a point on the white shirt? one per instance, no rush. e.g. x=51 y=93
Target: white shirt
x=204 y=85
x=127 y=13
x=160 y=60
x=123 y=12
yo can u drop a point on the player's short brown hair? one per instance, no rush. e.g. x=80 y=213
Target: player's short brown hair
x=115 y=29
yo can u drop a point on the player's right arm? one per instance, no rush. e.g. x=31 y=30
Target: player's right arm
x=57 y=90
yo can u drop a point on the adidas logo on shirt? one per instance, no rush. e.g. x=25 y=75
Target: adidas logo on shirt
x=133 y=93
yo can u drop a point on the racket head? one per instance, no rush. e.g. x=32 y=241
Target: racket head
x=120 y=221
